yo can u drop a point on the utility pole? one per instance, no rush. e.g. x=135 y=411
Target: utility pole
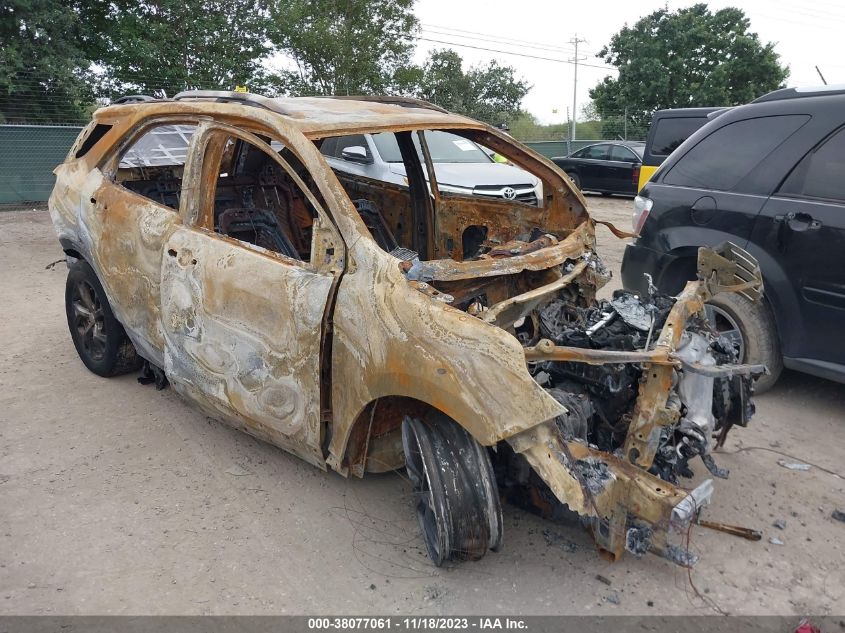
x=625 y=125
x=575 y=40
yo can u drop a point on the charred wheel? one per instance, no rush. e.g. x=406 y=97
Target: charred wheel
x=99 y=338
x=455 y=492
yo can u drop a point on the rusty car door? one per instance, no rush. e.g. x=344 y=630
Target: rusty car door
x=243 y=325
x=134 y=205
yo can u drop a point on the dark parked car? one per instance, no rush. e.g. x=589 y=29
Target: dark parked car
x=670 y=128
x=607 y=168
x=770 y=177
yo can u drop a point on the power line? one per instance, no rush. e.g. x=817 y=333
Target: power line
x=495 y=41
x=495 y=50
x=529 y=43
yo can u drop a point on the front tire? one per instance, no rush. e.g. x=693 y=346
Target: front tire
x=98 y=336
x=457 y=501
x=750 y=326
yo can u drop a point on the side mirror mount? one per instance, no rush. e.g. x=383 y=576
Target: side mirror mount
x=356 y=154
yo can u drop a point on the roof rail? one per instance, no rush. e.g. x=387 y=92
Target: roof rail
x=132 y=99
x=797 y=93
x=405 y=102
x=224 y=96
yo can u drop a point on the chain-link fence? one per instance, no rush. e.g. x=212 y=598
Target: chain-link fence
x=28 y=155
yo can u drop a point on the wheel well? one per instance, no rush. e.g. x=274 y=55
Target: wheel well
x=677 y=274
x=375 y=436
x=684 y=269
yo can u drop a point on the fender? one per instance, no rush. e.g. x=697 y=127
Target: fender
x=392 y=340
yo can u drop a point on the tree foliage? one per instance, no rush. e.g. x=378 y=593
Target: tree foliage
x=345 y=47
x=686 y=58
x=43 y=69
x=174 y=45
x=491 y=93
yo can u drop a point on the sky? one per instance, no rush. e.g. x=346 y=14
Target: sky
x=804 y=36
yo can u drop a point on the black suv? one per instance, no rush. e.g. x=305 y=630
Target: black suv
x=770 y=177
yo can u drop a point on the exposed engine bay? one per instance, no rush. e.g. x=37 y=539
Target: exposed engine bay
x=596 y=358
x=600 y=398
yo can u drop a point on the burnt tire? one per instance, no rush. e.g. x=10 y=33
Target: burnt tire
x=456 y=498
x=98 y=336
x=575 y=178
x=750 y=325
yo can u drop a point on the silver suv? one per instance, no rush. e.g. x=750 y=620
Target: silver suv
x=461 y=166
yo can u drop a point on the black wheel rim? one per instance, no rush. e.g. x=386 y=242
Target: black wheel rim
x=725 y=325
x=88 y=320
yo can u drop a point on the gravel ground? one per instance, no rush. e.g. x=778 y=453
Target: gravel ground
x=118 y=499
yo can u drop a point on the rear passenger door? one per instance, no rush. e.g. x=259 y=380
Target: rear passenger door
x=717 y=188
x=594 y=167
x=245 y=285
x=802 y=228
x=624 y=161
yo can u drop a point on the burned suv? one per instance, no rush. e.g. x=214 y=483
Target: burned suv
x=366 y=325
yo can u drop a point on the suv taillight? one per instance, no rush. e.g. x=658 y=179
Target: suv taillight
x=635 y=177
x=642 y=206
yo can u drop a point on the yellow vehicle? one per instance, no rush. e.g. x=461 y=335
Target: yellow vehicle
x=670 y=128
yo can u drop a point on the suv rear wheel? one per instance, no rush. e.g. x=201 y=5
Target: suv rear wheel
x=751 y=327
x=99 y=338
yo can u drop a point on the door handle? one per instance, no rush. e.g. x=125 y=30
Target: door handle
x=798 y=222
x=793 y=222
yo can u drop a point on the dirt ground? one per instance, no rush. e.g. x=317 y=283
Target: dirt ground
x=118 y=499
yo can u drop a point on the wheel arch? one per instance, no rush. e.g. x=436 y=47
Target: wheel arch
x=374 y=442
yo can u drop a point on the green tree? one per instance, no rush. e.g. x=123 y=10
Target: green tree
x=43 y=69
x=491 y=93
x=174 y=45
x=343 y=47
x=686 y=58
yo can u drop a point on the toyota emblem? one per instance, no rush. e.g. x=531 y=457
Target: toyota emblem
x=509 y=193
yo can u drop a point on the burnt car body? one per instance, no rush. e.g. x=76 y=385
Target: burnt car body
x=365 y=326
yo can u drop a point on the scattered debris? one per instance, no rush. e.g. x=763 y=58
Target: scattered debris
x=603 y=579
x=774 y=540
x=793 y=465
x=553 y=538
x=613 y=597
x=779 y=524
x=838 y=515
x=432 y=593
x=805 y=626
x=746 y=533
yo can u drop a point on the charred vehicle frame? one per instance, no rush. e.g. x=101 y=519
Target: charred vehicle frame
x=365 y=326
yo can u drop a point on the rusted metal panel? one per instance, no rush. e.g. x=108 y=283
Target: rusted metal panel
x=242 y=333
x=394 y=340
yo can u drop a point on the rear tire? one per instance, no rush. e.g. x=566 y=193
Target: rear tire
x=753 y=326
x=457 y=501
x=575 y=178
x=98 y=336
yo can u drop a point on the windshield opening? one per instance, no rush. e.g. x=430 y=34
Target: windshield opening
x=444 y=147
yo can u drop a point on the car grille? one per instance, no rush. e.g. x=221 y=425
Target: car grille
x=522 y=192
